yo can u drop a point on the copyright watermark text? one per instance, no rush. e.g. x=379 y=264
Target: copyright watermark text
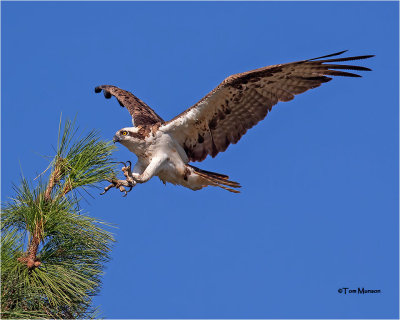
x=358 y=291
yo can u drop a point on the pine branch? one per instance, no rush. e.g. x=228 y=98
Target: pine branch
x=59 y=270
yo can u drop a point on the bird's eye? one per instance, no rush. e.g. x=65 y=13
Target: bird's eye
x=124 y=133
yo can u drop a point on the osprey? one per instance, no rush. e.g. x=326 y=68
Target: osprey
x=222 y=117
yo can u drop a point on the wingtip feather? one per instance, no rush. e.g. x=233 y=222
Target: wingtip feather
x=329 y=55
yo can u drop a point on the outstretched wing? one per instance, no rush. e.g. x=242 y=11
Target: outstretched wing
x=224 y=115
x=141 y=113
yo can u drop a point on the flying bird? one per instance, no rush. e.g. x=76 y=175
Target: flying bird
x=221 y=118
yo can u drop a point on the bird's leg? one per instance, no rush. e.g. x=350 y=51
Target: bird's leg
x=121 y=184
x=148 y=173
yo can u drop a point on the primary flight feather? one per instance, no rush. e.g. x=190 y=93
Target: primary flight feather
x=222 y=117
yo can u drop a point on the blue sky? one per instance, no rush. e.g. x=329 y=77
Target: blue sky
x=319 y=204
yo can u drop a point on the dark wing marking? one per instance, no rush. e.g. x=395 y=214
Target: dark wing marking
x=141 y=113
x=224 y=115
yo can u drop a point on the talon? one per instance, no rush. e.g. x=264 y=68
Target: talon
x=122 y=189
x=107 y=188
x=121 y=184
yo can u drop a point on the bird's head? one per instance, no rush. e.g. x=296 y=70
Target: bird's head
x=129 y=137
x=125 y=135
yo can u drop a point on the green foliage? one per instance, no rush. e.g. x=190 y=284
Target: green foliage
x=53 y=254
x=82 y=161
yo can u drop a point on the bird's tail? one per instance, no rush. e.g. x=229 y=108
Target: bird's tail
x=217 y=179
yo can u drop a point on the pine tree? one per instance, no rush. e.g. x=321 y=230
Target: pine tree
x=52 y=253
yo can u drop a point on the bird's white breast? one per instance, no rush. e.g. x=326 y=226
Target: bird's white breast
x=158 y=146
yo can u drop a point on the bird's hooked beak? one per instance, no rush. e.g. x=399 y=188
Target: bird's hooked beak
x=115 y=139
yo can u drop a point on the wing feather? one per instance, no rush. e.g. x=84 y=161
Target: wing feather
x=242 y=100
x=141 y=113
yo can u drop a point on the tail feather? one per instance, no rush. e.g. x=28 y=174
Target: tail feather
x=217 y=179
x=219 y=175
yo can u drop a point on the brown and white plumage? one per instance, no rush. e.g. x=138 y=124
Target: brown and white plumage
x=225 y=114
x=141 y=113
